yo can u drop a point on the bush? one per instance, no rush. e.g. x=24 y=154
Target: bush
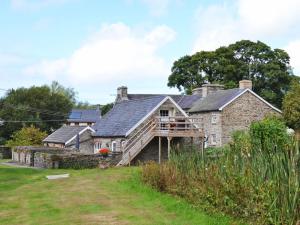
x=256 y=177
x=27 y=136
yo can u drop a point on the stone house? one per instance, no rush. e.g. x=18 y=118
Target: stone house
x=225 y=111
x=145 y=126
x=72 y=137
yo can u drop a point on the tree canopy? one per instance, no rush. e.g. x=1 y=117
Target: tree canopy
x=291 y=107
x=47 y=106
x=27 y=136
x=105 y=108
x=269 y=69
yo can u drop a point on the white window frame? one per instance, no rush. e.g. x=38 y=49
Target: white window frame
x=97 y=146
x=213 y=139
x=113 y=146
x=163 y=113
x=214 y=118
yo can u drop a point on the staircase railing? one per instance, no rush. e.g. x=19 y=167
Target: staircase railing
x=138 y=141
x=159 y=126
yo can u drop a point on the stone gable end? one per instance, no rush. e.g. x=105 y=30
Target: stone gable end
x=239 y=114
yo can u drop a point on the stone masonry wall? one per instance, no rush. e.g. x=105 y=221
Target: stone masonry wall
x=86 y=143
x=43 y=157
x=211 y=127
x=239 y=114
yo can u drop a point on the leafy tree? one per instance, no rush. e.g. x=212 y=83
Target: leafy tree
x=291 y=107
x=106 y=108
x=27 y=136
x=57 y=88
x=48 y=107
x=269 y=69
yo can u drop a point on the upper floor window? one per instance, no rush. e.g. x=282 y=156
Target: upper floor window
x=164 y=113
x=214 y=118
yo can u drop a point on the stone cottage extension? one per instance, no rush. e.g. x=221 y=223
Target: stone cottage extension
x=71 y=137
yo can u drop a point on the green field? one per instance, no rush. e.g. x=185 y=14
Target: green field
x=112 y=196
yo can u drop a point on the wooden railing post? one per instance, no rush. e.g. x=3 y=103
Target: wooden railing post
x=159 y=149
x=169 y=146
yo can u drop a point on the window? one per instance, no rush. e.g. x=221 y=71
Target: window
x=214 y=118
x=164 y=113
x=113 y=146
x=97 y=146
x=213 y=139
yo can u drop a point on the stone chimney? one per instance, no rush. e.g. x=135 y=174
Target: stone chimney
x=121 y=94
x=244 y=84
x=207 y=89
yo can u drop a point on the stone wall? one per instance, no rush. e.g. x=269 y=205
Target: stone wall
x=86 y=145
x=73 y=160
x=25 y=154
x=5 y=152
x=212 y=127
x=45 y=157
x=239 y=114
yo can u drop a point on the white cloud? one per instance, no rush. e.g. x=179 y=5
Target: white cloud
x=293 y=49
x=223 y=23
x=116 y=52
x=270 y=17
x=35 y=4
x=216 y=27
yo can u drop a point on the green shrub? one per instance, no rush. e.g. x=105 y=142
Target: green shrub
x=256 y=177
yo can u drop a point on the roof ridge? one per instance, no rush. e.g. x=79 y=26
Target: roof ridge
x=134 y=100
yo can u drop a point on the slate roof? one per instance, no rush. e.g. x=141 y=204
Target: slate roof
x=184 y=101
x=124 y=115
x=64 y=134
x=214 y=101
x=84 y=115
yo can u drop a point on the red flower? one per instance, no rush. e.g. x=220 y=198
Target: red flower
x=104 y=151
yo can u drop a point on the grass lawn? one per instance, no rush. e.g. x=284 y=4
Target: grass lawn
x=112 y=196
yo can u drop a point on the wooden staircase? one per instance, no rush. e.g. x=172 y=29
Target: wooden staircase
x=137 y=142
x=161 y=127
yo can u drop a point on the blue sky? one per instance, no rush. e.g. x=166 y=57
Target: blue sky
x=95 y=46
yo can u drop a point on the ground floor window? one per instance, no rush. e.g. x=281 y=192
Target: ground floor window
x=213 y=139
x=113 y=146
x=97 y=146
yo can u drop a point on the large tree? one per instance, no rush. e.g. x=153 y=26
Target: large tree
x=291 y=107
x=269 y=69
x=46 y=106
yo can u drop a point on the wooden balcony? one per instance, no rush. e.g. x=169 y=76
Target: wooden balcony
x=178 y=127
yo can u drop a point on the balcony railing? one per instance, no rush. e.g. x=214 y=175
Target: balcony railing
x=178 y=126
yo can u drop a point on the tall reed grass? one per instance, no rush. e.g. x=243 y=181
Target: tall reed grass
x=256 y=177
